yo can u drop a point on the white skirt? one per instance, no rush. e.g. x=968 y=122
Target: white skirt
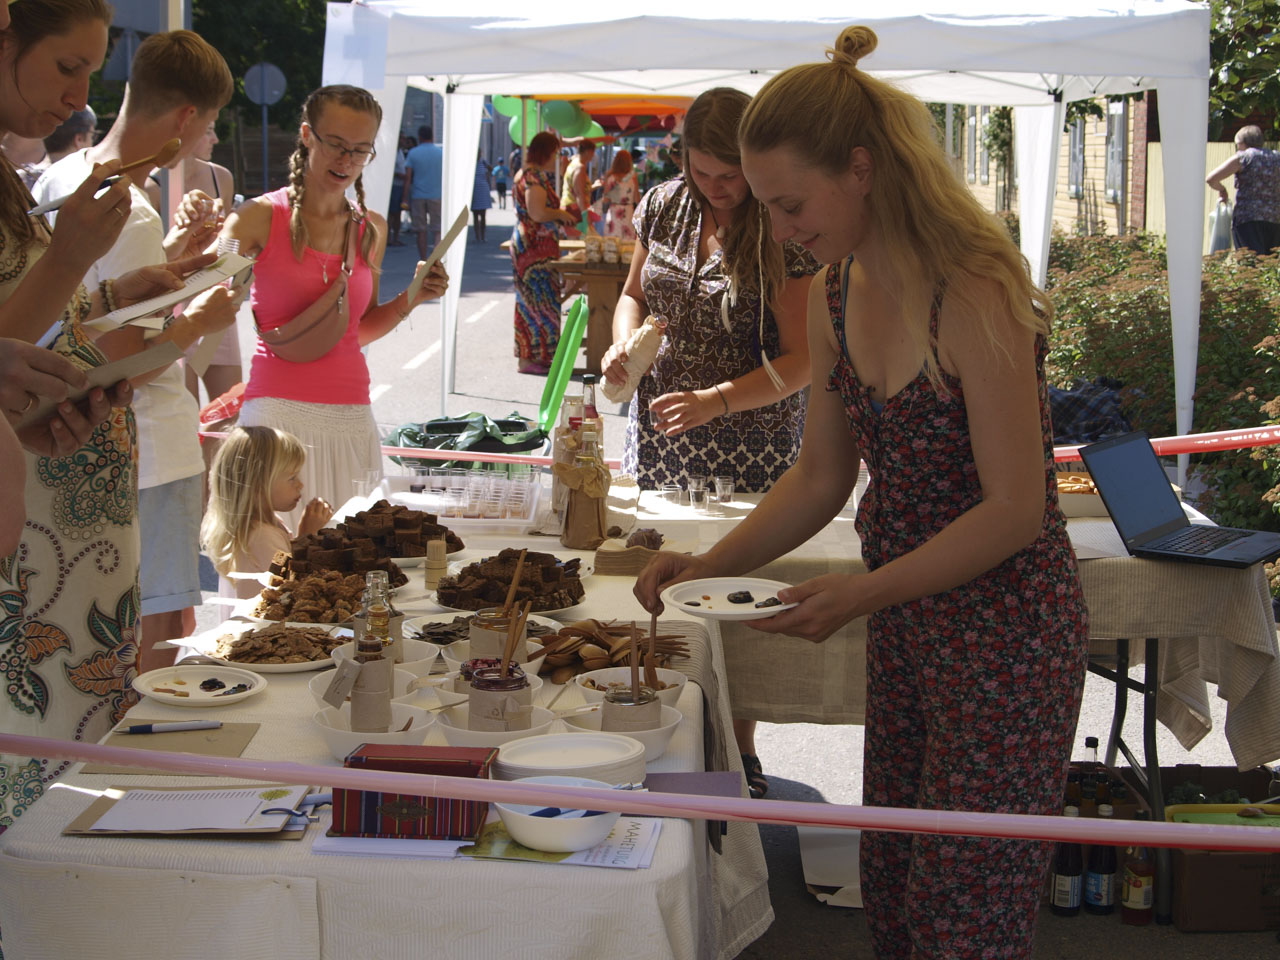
x=344 y=455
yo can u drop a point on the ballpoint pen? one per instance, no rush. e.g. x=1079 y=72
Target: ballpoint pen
x=174 y=727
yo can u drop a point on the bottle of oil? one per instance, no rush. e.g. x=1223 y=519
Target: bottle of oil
x=1100 y=874
x=1137 y=894
x=371 y=695
x=1068 y=867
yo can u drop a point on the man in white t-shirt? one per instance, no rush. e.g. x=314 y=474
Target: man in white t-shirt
x=177 y=85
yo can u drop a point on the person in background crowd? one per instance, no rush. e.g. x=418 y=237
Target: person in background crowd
x=255 y=476
x=535 y=245
x=500 y=183
x=397 y=191
x=424 y=169
x=1255 y=219
x=724 y=395
x=575 y=190
x=481 y=196
x=620 y=190
x=298 y=235
x=72 y=585
x=514 y=160
x=177 y=84
x=928 y=341
x=75 y=133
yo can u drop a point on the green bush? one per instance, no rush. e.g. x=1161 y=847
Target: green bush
x=1112 y=301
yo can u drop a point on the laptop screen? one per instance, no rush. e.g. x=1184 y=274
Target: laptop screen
x=1134 y=485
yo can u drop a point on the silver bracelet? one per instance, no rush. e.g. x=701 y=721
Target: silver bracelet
x=722 y=399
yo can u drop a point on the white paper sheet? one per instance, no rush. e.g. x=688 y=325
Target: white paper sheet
x=224 y=268
x=230 y=809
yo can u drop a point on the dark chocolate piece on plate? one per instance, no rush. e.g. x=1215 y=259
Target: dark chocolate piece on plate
x=740 y=596
x=769 y=602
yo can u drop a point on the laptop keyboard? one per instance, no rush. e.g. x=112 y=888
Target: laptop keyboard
x=1198 y=539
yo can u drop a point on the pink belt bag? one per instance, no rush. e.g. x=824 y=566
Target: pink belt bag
x=318 y=328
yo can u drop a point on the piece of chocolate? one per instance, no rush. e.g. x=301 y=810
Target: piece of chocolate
x=740 y=596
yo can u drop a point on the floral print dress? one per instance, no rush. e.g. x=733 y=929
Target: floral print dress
x=701 y=349
x=534 y=248
x=69 y=593
x=972 y=694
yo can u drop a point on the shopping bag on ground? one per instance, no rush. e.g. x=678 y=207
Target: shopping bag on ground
x=471 y=431
x=1220 y=227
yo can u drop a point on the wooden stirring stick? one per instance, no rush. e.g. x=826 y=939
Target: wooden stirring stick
x=635 y=665
x=651 y=658
x=509 y=648
x=515 y=581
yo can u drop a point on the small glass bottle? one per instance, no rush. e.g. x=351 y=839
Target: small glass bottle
x=371 y=694
x=1073 y=789
x=1100 y=874
x=1137 y=893
x=377 y=612
x=590 y=450
x=1068 y=868
x=589 y=411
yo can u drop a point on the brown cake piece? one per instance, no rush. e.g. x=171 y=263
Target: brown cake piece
x=547 y=583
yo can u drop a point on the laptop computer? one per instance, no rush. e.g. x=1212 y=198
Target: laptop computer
x=1149 y=517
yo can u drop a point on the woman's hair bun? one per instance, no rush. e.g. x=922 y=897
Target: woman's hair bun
x=852 y=45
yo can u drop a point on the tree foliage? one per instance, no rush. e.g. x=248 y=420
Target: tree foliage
x=1244 y=53
x=288 y=33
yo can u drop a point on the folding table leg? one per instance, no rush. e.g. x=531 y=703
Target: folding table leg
x=1155 y=790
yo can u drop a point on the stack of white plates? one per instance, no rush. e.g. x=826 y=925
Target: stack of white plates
x=610 y=757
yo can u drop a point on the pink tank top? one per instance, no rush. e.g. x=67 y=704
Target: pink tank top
x=282 y=288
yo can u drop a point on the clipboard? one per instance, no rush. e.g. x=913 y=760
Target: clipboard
x=459 y=227
x=82 y=825
x=226 y=267
x=106 y=376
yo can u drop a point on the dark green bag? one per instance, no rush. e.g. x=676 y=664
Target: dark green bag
x=471 y=431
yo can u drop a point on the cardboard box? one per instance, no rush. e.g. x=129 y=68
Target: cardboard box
x=370 y=813
x=1221 y=891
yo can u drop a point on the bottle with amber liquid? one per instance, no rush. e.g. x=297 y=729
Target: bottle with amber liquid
x=1067 y=876
x=371 y=695
x=1138 y=892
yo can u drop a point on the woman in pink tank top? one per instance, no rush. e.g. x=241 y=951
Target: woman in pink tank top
x=297 y=233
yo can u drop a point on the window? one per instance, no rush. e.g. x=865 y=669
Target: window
x=1075 y=161
x=984 y=168
x=1117 y=149
x=971 y=145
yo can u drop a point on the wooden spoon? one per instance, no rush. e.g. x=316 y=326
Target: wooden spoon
x=157 y=159
x=515 y=581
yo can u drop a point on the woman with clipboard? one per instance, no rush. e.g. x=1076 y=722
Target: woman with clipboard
x=315 y=295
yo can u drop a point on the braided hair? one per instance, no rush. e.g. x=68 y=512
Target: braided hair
x=353 y=98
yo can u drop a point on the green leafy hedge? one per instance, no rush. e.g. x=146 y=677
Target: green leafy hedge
x=1112 y=301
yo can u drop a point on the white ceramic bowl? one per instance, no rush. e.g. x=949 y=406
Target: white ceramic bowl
x=564 y=834
x=335 y=726
x=442 y=691
x=462 y=652
x=453 y=724
x=320 y=682
x=674 y=679
x=419 y=656
x=655 y=741
x=610 y=757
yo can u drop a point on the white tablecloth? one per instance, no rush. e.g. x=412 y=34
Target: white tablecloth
x=180 y=897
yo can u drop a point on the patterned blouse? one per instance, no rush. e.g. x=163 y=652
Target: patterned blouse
x=700 y=349
x=1257 y=187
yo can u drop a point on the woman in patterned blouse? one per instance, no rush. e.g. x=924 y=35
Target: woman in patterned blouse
x=723 y=396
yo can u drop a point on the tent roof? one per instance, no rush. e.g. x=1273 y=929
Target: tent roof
x=993 y=52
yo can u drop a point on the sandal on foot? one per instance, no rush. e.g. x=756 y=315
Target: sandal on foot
x=757 y=784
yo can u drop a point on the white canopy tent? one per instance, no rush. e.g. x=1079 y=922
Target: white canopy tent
x=1033 y=56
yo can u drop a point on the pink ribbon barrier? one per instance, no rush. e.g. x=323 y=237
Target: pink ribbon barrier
x=1214 y=442
x=958 y=823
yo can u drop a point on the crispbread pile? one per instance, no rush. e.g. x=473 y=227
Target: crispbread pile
x=1076 y=483
x=326 y=597
x=278 y=644
x=550 y=584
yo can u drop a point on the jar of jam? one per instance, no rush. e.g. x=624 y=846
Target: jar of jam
x=498 y=702
x=625 y=710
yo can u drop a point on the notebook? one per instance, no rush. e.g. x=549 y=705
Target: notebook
x=1149 y=517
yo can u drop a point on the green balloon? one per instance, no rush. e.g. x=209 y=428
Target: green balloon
x=579 y=125
x=594 y=130
x=507 y=106
x=515 y=129
x=559 y=114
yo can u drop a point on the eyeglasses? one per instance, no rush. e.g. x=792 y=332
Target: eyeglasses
x=361 y=155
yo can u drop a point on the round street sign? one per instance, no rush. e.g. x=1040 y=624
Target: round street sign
x=264 y=83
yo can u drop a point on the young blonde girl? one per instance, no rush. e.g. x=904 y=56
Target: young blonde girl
x=254 y=477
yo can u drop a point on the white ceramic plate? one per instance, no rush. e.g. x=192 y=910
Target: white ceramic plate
x=709 y=598
x=188 y=680
x=565 y=751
